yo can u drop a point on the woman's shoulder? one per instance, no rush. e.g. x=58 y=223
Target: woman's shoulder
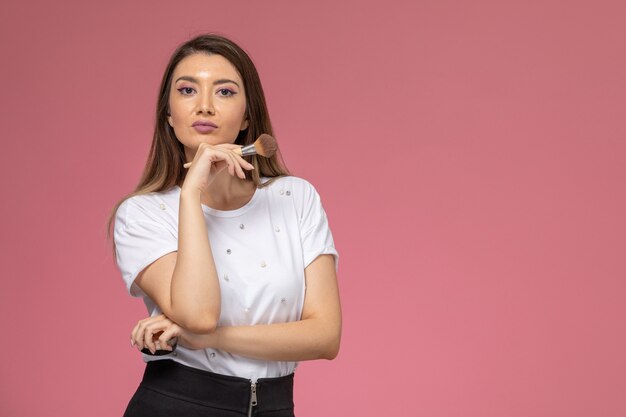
x=147 y=206
x=290 y=184
x=295 y=192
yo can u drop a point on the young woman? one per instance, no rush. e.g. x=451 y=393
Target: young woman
x=233 y=257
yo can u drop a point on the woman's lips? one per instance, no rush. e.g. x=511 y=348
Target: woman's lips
x=204 y=128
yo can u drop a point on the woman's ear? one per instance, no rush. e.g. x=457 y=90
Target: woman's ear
x=169 y=120
x=244 y=125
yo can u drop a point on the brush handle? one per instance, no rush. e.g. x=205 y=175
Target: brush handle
x=248 y=150
x=238 y=151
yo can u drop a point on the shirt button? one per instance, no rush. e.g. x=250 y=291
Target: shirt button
x=288 y=192
x=162 y=206
x=226 y=277
x=281 y=192
x=241 y=226
x=212 y=355
x=277 y=229
x=283 y=300
x=263 y=264
x=228 y=251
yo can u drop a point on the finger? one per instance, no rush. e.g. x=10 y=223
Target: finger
x=231 y=163
x=152 y=326
x=137 y=334
x=147 y=340
x=245 y=164
x=133 y=332
x=152 y=335
x=139 y=329
x=237 y=166
x=229 y=146
x=220 y=155
x=168 y=336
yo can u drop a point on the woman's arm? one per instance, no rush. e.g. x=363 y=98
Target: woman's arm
x=188 y=274
x=316 y=336
x=184 y=284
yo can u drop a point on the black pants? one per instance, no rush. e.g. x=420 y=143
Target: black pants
x=170 y=389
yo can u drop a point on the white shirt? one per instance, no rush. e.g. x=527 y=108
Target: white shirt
x=260 y=252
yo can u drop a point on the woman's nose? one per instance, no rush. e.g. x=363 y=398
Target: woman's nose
x=205 y=104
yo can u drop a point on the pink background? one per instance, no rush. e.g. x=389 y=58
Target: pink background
x=471 y=156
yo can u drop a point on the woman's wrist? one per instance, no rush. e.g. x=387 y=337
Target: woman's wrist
x=190 y=194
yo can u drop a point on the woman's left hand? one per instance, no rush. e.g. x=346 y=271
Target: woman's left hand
x=154 y=332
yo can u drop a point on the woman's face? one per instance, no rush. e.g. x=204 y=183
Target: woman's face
x=206 y=90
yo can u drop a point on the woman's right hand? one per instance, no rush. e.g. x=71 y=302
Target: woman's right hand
x=154 y=333
x=212 y=159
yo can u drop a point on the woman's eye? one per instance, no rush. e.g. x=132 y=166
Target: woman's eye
x=225 y=92
x=185 y=90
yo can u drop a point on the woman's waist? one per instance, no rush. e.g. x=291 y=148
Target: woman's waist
x=200 y=386
x=224 y=363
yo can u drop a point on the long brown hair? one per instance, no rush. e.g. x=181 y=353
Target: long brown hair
x=164 y=166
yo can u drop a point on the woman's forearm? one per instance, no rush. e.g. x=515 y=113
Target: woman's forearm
x=195 y=291
x=294 y=341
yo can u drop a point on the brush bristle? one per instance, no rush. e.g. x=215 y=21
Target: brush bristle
x=265 y=145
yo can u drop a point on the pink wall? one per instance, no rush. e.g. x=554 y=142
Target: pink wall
x=471 y=157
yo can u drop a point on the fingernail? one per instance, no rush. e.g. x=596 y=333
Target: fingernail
x=132 y=343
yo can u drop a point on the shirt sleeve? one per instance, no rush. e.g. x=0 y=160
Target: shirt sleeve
x=316 y=236
x=138 y=243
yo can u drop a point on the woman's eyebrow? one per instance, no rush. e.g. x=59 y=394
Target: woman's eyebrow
x=216 y=82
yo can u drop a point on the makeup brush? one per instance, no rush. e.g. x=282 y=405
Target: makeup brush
x=265 y=145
